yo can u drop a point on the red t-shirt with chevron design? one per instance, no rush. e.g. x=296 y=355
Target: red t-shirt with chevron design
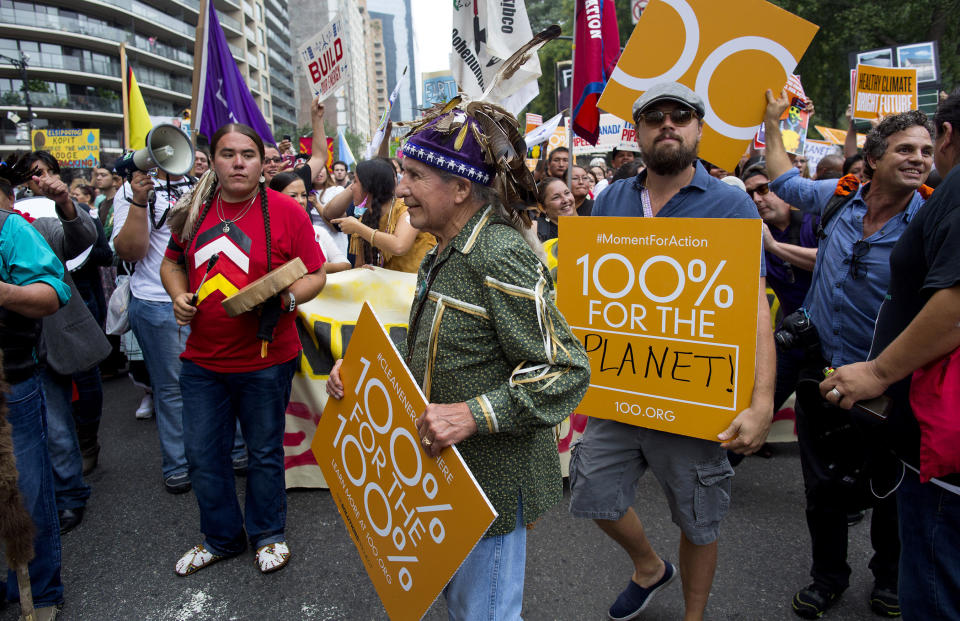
x=229 y=344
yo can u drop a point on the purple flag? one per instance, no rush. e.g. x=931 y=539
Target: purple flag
x=224 y=96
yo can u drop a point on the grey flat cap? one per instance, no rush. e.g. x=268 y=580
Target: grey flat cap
x=669 y=91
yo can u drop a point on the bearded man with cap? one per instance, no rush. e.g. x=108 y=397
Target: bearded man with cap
x=493 y=355
x=694 y=473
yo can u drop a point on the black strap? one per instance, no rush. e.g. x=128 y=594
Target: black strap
x=836 y=202
x=794 y=229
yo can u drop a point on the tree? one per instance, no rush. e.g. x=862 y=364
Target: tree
x=847 y=27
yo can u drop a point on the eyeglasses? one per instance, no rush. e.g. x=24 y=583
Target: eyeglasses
x=273 y=160
x=584 y=179
x=860 y=250
x=678 y=116
x=763 y=189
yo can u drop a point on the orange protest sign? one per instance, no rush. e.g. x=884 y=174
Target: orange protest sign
x=839 y=136
x=881 y=91
x=666 y=309
x=710 y=47
x=413 y=519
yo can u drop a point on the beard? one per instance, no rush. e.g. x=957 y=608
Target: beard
x=667 y=160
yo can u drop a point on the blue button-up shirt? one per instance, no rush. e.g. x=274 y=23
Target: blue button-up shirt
x=704 y=197
x=844 y=307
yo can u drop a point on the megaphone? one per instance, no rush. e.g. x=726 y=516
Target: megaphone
x=168 y=148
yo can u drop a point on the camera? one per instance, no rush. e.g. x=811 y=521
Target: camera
x=797 y=332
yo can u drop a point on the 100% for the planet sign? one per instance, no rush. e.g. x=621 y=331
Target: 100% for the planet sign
x=667 y=311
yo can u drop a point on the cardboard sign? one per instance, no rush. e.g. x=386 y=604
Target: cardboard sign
x=73 y=148
x=413 y=519
x=793 y=122
x=881 y=91
x=439 y=87
x=839 y=136
x=666 y=309
x=325 y=60
x=816 y=150
x=728 y=60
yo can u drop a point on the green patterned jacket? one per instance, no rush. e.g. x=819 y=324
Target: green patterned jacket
x=489 y=334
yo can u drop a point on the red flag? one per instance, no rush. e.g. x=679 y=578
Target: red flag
x=306 y=145
x=594 y=59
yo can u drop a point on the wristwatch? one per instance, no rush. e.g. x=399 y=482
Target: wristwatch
x=292 y=306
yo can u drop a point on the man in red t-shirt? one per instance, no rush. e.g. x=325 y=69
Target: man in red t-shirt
x=225 y=376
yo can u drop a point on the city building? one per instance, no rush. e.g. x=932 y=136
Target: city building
x=396 y=17
x=358 y=106
x=72 y=48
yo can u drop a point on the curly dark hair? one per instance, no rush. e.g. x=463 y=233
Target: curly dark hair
x=948 y=112
x=876 y=144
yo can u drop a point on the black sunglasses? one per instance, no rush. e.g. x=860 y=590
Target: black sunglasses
x=678 y=116
x=857 y=268
x=762 y=190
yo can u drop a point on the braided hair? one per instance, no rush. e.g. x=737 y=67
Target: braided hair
x=214 y=186
x=379 y=179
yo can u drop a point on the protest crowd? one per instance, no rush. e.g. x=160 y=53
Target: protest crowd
x=125 y=270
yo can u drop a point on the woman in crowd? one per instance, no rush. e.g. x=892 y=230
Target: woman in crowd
x=580 y=188
x=228 y=373
x=83 y=194
x=291 y=184
x=556 y=200
x=379 y=229
x=853 y=165
x=324 y=189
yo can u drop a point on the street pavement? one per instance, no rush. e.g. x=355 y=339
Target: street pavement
x=118 y=564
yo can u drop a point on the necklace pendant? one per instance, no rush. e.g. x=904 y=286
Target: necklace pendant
x=226 y=227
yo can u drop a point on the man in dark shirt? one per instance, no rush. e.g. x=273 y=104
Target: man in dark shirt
x=918 y=323
x=790 y=249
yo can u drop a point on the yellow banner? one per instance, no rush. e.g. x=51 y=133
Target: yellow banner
x=729 y=59
x=666 y=308
x=413 y=518
x=325 y=325
x=73 y=148
x=882 y=91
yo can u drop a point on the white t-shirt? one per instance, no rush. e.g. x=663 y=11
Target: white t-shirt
x=332 y=250
x=145 y=283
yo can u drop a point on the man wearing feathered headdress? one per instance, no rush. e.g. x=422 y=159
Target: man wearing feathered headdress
x=493 y=355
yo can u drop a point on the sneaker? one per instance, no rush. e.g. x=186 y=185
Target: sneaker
x=145 y=409
x=885 y=601
x=811 y=602
x=177 y=483
x=633 y=599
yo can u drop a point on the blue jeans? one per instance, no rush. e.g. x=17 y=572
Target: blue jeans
x=26 y=417
x=162 y=342
x=489 y=583
x=258 y=399
x=65 y=458
x=930 y=550
x=89 y=405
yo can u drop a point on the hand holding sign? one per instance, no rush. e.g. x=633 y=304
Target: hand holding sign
x=444 y=424
x=412 y=508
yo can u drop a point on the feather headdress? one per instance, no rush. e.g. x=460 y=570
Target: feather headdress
x=480 y=140
x=183 y=216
